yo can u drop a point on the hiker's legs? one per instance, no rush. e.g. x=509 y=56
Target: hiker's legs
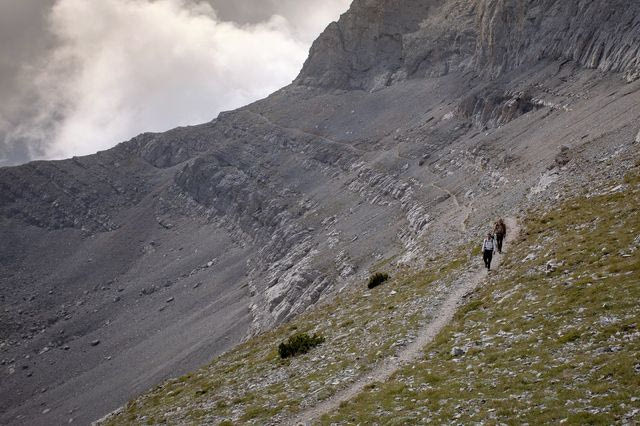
x=486 y=256
x=499 y=238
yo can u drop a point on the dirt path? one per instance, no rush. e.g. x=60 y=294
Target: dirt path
x=413 y=351
x=464 y=211
x=446 y=191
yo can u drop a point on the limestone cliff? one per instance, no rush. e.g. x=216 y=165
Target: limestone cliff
x=411 y=126
x=379 y=42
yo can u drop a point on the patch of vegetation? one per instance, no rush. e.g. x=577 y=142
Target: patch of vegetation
x=542 y=344
x=376 y=279
x=553 y=338
x=300 y=343
x=252 y=384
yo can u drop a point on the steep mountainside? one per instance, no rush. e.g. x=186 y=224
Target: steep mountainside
x=412 y=124
x=551 y=337
x=379 y=42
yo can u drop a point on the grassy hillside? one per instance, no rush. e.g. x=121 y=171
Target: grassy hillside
x=251 y=384
x=552 y=337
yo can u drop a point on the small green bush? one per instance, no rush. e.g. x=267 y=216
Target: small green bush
x=376 y=279
x=300 y=343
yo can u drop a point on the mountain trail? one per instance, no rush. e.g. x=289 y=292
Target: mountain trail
x=464 y=210
x=451 y=194
x=414 y=350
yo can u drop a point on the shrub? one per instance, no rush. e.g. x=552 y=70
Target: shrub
x=376 y=279
x=300 y=343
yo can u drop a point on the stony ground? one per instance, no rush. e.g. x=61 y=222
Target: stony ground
x=550 y=338
x=466 y=284
x=553 y=338
x=125 y=268
x=251 y=384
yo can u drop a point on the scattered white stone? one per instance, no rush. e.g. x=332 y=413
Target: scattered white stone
x=544 y=182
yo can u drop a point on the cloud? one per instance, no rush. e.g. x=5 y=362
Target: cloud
x=122 y=67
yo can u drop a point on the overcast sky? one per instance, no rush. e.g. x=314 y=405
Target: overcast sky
x=78 y=76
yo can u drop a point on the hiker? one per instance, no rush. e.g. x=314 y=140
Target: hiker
x=500 y=229
x=488 y=247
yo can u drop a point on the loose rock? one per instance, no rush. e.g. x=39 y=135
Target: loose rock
x=457 y=352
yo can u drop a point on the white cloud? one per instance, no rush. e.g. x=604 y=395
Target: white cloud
x=123 y=67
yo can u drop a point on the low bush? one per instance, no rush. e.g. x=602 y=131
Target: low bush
x=376 y=279
x=300 y=343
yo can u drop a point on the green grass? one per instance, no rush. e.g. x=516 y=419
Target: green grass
x=251 y=384
x=544 y=345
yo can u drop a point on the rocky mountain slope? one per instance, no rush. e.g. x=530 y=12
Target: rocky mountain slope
x=377 y=43
x=551 y=337
x=411 y=125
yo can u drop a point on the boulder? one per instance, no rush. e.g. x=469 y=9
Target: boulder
x=563 y=156
x=457 y=352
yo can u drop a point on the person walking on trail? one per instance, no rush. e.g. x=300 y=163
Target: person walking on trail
x=500 y=229
x=488 y=246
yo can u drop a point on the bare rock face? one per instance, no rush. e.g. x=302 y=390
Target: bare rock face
x=491 y=109
x=377 y=43
x=411 y=126
x=365 y=45
x=598 y=35
x=374 y=44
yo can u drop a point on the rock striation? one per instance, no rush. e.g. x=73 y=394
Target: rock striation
x=410 y=127
x=377 y=43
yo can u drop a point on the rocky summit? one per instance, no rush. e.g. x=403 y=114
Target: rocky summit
x=412 y=125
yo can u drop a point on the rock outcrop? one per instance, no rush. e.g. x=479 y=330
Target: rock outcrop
x=411 y=126
x=377 y=43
